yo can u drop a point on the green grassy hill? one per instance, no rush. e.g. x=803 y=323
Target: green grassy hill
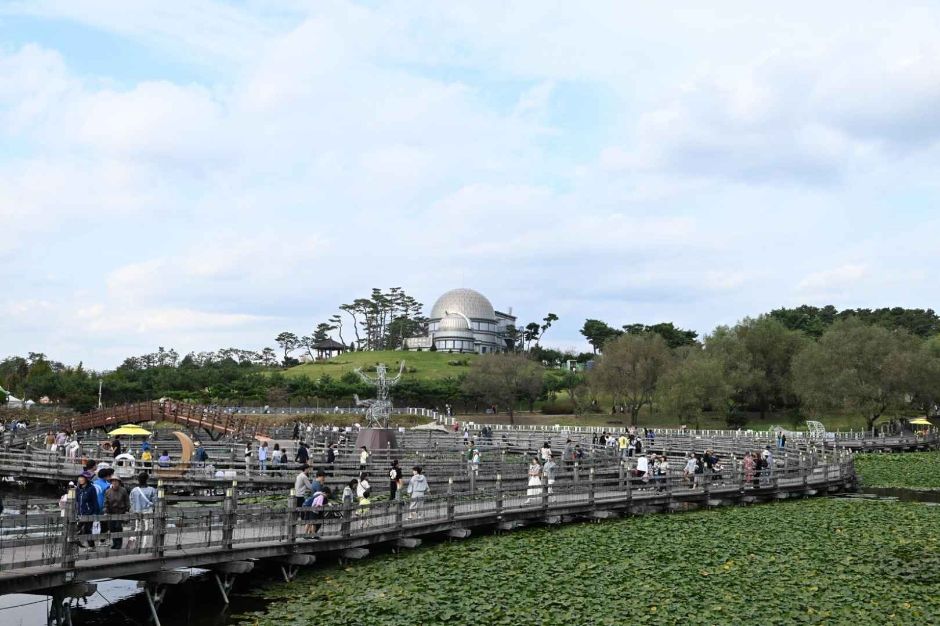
x=418 y=365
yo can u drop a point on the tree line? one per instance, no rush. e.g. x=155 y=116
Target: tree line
x=868 y=364
x=804 y=361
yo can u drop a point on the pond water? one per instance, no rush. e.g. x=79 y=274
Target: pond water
x=904 y=495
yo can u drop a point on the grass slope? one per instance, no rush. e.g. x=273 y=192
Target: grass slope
x=820 y=561
x=426 y=365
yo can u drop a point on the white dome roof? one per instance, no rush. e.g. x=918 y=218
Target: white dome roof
x=453 y=322
x=471 y=303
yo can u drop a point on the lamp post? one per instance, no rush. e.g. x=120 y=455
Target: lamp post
x=99 y=393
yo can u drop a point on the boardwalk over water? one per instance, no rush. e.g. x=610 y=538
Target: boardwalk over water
x=40 y=553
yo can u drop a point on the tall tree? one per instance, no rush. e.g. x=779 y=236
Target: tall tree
x=674 y=336
x=288 y=342
x=337 y=322
x=598 y=333
x=696 y=383
x=546 y=324
x=322 y=332
x=503 y=379
x=770 y=348
x=630 y=369
x=857 y=367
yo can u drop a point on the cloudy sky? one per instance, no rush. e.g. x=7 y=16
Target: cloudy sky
x=201 y=174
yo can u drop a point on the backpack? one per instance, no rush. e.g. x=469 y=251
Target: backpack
x=639 y=446
x=392 y=475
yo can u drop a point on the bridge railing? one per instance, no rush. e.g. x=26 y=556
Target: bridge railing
x=63 y=538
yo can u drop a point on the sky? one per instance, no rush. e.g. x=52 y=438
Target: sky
x=203 y=174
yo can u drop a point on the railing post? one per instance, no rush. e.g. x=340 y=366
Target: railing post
x=159 y=522
x=628 y=482
x=620 y=476
x=544 y=492
x=346 y=527
x=69 y=547
x=291 y=530
x=450 y=499
x=499 y=495
x=591 y=487
x=228 y=520
x=803 y=473
x=399 y=514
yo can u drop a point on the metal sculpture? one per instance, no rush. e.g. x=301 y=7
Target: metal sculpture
x=816 y=429
x=378 y=409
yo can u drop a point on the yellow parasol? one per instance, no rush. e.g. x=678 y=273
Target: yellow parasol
x=921 y=421
x=130 y=430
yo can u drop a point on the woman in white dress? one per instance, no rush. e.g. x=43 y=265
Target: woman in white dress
x=535 y=479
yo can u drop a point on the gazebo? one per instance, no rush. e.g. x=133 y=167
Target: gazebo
x=328 y=348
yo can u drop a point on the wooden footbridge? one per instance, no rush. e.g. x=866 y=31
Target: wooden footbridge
x=42 y=553
x=213 y=420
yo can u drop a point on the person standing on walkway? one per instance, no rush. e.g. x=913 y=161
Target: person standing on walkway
x=349 y=492
x=302 y=486
x=545 y=452
x=86 y=503
x=248 y=458
x=689 y=470
x=535 y=480
x=302 y=455
x=567 y=456
x=768 y=462
x=363 y=485
x=548 y=470
x=394 y=481
x=116 y=502
x=418 y=489
x=364 y=458
x=143 y=499
x=622 y=443
x=263 y=457
x=748 y=468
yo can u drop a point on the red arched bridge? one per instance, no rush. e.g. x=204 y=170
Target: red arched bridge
x=213 y=420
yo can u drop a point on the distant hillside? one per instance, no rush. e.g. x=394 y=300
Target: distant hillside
x=418 y=365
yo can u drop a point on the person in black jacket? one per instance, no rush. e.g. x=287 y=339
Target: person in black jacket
x=302 y=455
x=86 y=503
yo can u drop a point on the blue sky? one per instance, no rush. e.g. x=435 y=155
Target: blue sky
x=203 y=174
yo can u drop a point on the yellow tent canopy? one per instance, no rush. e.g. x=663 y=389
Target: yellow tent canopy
x=130 y=430
x=921 y=421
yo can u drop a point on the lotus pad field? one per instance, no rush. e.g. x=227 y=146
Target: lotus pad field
x=820 y=561
x=911 y=470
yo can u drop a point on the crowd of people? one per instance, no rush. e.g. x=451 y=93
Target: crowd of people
x=99 y=491
x=316 y=501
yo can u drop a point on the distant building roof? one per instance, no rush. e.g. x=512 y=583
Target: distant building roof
x=329 y=344
x=471 y=303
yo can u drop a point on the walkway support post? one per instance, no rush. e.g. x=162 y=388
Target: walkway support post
x=69 y=546
x=499 y=495
x=346 y=526
x=291 y=529
x=228 y=517
x=591 y=487
x=450 y=499
x=159 y=522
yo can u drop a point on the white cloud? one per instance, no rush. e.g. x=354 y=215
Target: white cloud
x=834 y=280
x=658 y=163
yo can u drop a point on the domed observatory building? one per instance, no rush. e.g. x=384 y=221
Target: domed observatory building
x=463 y=320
